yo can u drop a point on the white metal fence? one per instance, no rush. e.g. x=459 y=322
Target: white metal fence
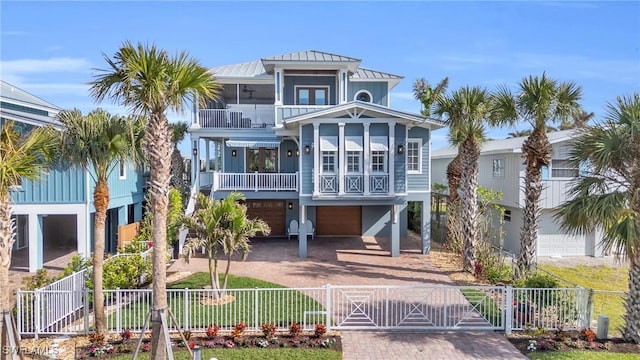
x=338 y=307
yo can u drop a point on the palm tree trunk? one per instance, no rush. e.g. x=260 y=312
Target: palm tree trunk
x=7 y=237
x=226 y=272
x=101 y=203
x=537 y=153
x=454 y=174
x=158 y=149
x=470 y=152
x=631 y=330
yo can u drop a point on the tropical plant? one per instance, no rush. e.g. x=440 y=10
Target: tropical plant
x=97 y=143
x=220 y=226
x=467 y=111
x=607 y=194
x=429 y=96
x=178 y=132
x=539 y=101
x=579 y=120
x=150 y=82
x=519 y=133
x=22 y=156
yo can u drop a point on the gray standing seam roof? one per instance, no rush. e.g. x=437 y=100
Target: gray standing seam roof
x=245 y=69
x=362 y=73
x=311 y=55
x=12 y=92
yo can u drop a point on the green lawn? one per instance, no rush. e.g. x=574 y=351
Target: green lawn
x=250 y=354
x=582 y=355
x=244 y=307
x=599 y=278
x=485 y=305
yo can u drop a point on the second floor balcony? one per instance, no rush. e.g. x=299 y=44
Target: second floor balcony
x=354 y=184
x=220 y=181
x=251 y=116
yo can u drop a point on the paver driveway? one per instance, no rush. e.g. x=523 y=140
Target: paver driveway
x=365 y=261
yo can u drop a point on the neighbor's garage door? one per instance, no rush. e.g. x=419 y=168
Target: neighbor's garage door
x=271 y=211
x=561 y=245
x=339 y=220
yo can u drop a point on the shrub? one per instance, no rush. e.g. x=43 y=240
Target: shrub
x=187 y=334
x=269 y=330
x=125 y=335
x=588 y=335
x=212 y=331
x=40 y=279
x=295 y=329
x=76 y=264
x=499 y=273
x=320 y=330
x=539 y=281
x=124 y=272
x=97 y=339
x=238 y=329
x=478 y=269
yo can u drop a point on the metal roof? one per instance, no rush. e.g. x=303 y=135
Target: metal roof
x=368 y=74
x=245 y=69
x=10 y=92
x=311 y=55
x=512 y=145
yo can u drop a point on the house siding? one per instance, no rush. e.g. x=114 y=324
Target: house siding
x=291 y=81
x=378 y=91
x=376 y=221
x=234 y=164
x=420 y=182
x=122 y=192
x=288 y=164
x=59 y=186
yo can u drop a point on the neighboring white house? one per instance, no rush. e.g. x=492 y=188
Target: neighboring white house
x=501 y=168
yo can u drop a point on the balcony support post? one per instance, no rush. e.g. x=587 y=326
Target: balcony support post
x=367 y=159
x=302 y=233
x=392 y=154
x=395 y=231
x=317 y=165
x=340 y=164
x=207 y=155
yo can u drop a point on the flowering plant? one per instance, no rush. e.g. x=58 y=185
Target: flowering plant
x=238 y=329
x=269 y=330
x=212 y=331
x=320 y=330
x=295 y=329
x=125 y=334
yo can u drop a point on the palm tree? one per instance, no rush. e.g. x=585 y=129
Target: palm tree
x=519 y=133
x=468 y=110
x=149 y=82
x=539 y=101
x=428 y=96
x=606 y=196
x=22 y=157
x=97 y=143
x=178 y=132
x=580 y=120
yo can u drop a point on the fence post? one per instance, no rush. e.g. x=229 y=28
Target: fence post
x=86 y=311
x=118 y=303
x=508 y=309
x=589 y=308
x=19 y=311
x=186 y=309
x=37 y=313
x=328 y=309
x=386 y=307
x=255 y=309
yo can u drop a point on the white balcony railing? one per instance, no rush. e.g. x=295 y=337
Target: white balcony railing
x=238 y=117
x=255 y=181
x=205 y=179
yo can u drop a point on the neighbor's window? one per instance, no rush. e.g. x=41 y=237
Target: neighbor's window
x=498 y=167
x=561 y=168
x=414 y=159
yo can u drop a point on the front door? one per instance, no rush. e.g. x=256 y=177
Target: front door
x=264 y=160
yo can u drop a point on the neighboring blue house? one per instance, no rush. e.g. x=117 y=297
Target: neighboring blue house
x=310 y=137
x=54 y=216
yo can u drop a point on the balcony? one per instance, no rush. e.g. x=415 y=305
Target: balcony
x=241 y=116
x=286 y=111
x=220 y=181
x=354 y=184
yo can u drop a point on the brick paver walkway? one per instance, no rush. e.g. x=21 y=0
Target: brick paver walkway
x=365 y=261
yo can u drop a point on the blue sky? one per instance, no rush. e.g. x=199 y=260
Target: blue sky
x=50 y=48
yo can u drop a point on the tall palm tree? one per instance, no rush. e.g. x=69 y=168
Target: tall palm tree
x=540 y=101
x=519 y=133
x=178 y=132
x=454 y=178
x=429 y=96
x=22 y=157
x=468 y=110
x=149 y=82
x=607 y=195
x=579 y=120
x=97 y=143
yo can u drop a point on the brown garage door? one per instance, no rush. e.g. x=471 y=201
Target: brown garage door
x=339 y=220
x=271 y=211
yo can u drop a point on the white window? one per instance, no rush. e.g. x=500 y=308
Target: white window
x=364 y=96
x=562 y=168
x=328 y=162
x=498 y=167
x=353 y=154
x=354 y=161
x=122 y=171
x=378 y=161
x=414 y=158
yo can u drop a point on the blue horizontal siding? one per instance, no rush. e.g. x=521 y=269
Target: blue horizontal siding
x=420 y=182
x=400 y=160
x=378 y=91
x=122 y=192
x=59 y=186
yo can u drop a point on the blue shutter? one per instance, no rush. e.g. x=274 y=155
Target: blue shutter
x=545 y=172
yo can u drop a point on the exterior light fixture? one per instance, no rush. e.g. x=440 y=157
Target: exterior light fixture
x=290 y=206
x=289 y=153
x=195 y=151
x=400 y=149
x=307 y=149
x=234 y=153
x=297 y=152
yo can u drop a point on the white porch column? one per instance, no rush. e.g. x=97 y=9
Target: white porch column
x=216 y=155
x=392 y=154
x=207 y=154
x=425 y=224
x=302 y=231
x=278 y=85
x=366 y=165
x=36 y=242
x=341 y=164
x=395 y=231
x=316 y=159
x=196 y=111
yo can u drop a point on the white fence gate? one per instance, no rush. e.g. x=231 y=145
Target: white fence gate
x=338 y=307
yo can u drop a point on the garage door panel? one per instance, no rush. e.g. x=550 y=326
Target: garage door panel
x=271 y=211
x=339 y=220
x=561 y=245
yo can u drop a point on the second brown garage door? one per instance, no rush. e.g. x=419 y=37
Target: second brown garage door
x=339 y=220
x=271 y=211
